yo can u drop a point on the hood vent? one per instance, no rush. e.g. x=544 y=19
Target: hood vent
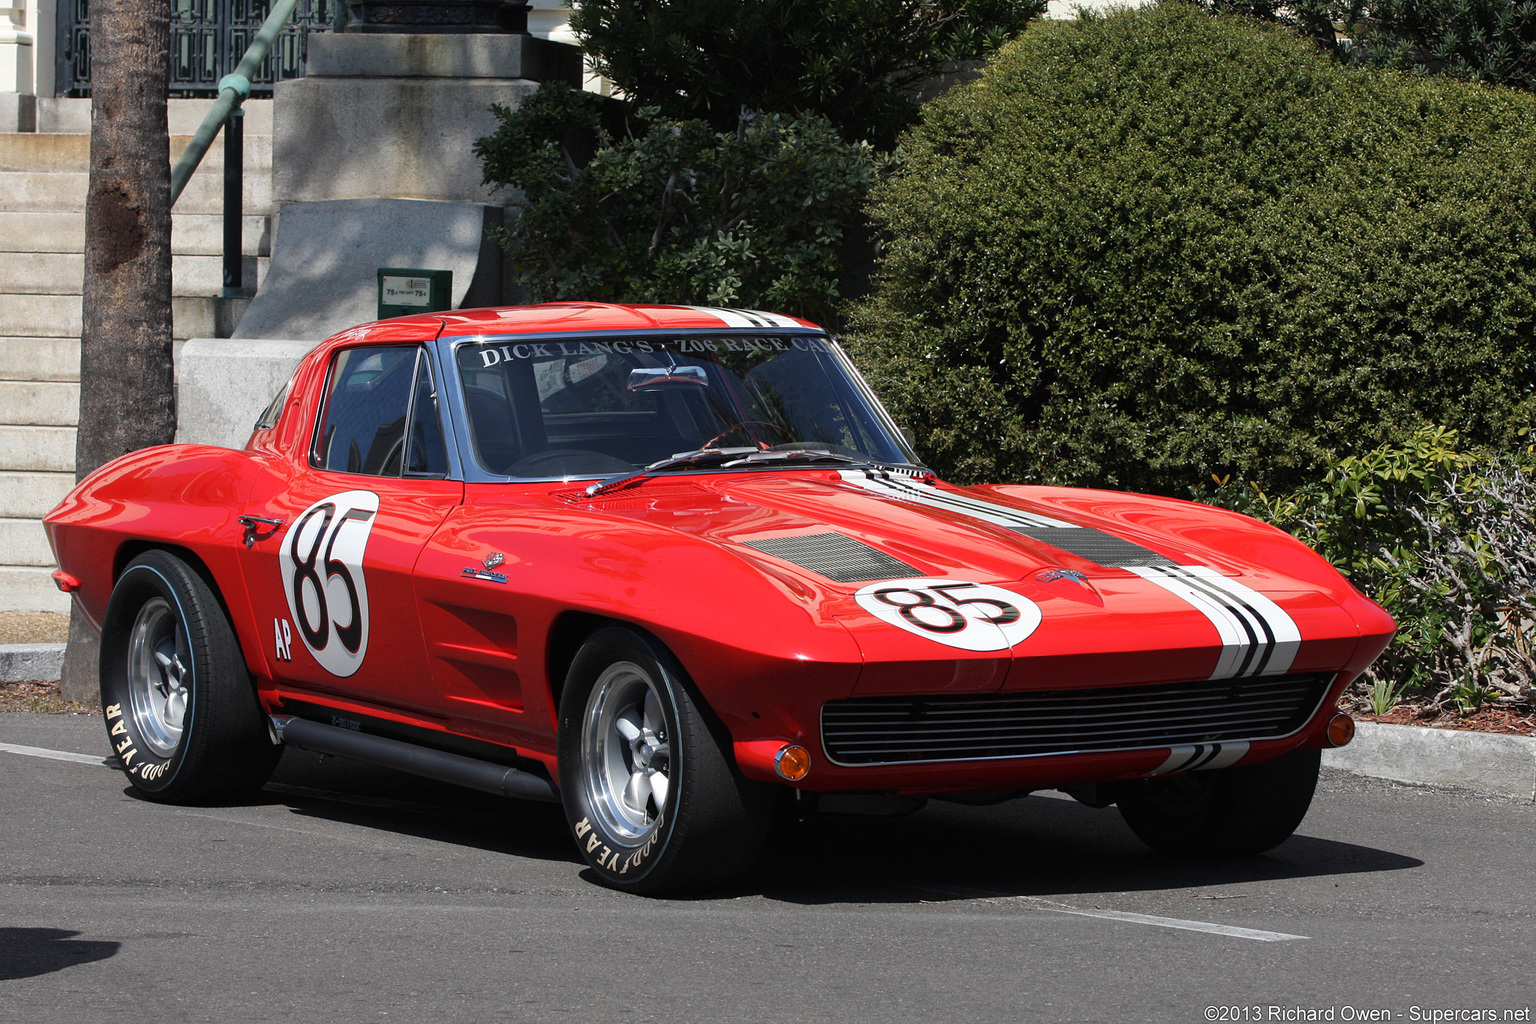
x=1094 y=545
x=836 y=557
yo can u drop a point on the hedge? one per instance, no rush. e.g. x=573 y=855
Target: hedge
x=1156 y=246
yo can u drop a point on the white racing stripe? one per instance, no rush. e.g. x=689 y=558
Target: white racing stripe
x=58 y=755
x=744 y=317
x=891 y=486
x=1257 y=636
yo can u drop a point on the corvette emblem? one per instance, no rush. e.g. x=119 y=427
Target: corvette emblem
x=1051 y=575
x=491 y=561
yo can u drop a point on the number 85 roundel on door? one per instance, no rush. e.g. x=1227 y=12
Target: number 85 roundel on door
x=322 y=566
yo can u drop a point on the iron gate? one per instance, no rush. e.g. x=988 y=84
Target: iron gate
x=208 y=38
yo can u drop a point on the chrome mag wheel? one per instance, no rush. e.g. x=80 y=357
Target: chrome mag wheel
x=627 y=767
x=159 y=676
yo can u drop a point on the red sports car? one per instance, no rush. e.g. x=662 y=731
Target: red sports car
x=668 y=565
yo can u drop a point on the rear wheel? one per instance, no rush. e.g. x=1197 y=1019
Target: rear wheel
x=653 y=800
x=1226 y=813
x=180 y=708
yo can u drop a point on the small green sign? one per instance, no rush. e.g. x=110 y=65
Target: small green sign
x=403 y=291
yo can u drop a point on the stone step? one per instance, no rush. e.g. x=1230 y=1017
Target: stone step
x=41 y=273
x=61 y=273
x=23 y=542
x=40 y=316
x=31 y=152
x=37 y=449
x=38 y=404
x=67 y=115
x=58 y=316
x=55 y=359
x=192 y=233
x=26 y=588
x=64 y=191
x=32 y=495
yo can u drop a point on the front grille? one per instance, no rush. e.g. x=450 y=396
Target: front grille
x=903 y=730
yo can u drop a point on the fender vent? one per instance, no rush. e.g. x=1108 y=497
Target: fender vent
x=903 y=730
x=836 y=557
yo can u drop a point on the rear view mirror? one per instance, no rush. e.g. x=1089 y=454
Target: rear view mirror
x=657 y=378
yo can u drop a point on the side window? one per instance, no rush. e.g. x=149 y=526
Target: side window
x=426 y=454
x=367 y=409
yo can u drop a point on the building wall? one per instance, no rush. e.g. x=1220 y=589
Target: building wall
x=28 y=40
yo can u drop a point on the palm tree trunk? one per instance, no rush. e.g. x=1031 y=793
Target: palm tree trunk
x=127 y=397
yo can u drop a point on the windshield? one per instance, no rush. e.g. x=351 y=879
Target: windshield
x=595 y=406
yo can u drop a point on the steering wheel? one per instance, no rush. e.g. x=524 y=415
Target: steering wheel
x=737 y=428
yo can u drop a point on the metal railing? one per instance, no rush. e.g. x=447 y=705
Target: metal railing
x=234 y=89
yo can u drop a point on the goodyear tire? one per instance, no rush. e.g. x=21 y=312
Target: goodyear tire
x=1231 y=812
x=180 y=707
x=652 y=799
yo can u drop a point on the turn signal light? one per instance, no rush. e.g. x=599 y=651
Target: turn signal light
x=792 y=762
x=1341 y=729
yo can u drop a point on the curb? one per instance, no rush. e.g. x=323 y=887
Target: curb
x=1493 y=763
x=20 y=663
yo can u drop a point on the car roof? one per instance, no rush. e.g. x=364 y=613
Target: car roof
x=557 y=317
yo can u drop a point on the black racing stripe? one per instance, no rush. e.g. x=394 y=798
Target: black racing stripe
x=1270 y=641
x=1261 y=648
x=963 y=505
x=749 y=315
x=1085 y=542
x=1188 y=762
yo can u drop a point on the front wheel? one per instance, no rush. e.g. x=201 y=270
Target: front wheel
x=654 y=802
x=1230 y=812
x=180 y=709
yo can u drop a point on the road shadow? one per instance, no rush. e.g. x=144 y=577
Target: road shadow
x=341 y=790
x=30 y=952
x=1034 y=847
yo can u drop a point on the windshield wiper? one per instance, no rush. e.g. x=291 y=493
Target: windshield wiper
x=796 y=455
x=813 y=455
x=701 y=457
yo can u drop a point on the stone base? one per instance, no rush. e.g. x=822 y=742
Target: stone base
x=18 y=112
x=358 y=138
x=225 y=385
x=325 y=260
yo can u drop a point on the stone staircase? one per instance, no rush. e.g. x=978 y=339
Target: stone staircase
x=43 y=179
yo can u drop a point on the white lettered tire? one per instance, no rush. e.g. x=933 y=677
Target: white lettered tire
x=653 y=801
x=180 y=707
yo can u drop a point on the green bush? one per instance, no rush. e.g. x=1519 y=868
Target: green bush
x=853 y=62
x=672 y=211
x=1483 y=40
x=1155 y=246
x=1442 y=539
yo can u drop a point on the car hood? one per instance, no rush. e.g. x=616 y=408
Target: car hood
x=850 y=527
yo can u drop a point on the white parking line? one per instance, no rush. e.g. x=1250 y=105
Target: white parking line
x=1174 y=922
x=58 y=755
x=1036 y=903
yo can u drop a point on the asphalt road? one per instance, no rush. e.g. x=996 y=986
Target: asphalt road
x=352 y=894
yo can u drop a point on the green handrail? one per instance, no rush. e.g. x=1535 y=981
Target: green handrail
x=234 y=89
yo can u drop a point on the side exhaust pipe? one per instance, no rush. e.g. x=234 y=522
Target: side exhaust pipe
x=408 y=757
